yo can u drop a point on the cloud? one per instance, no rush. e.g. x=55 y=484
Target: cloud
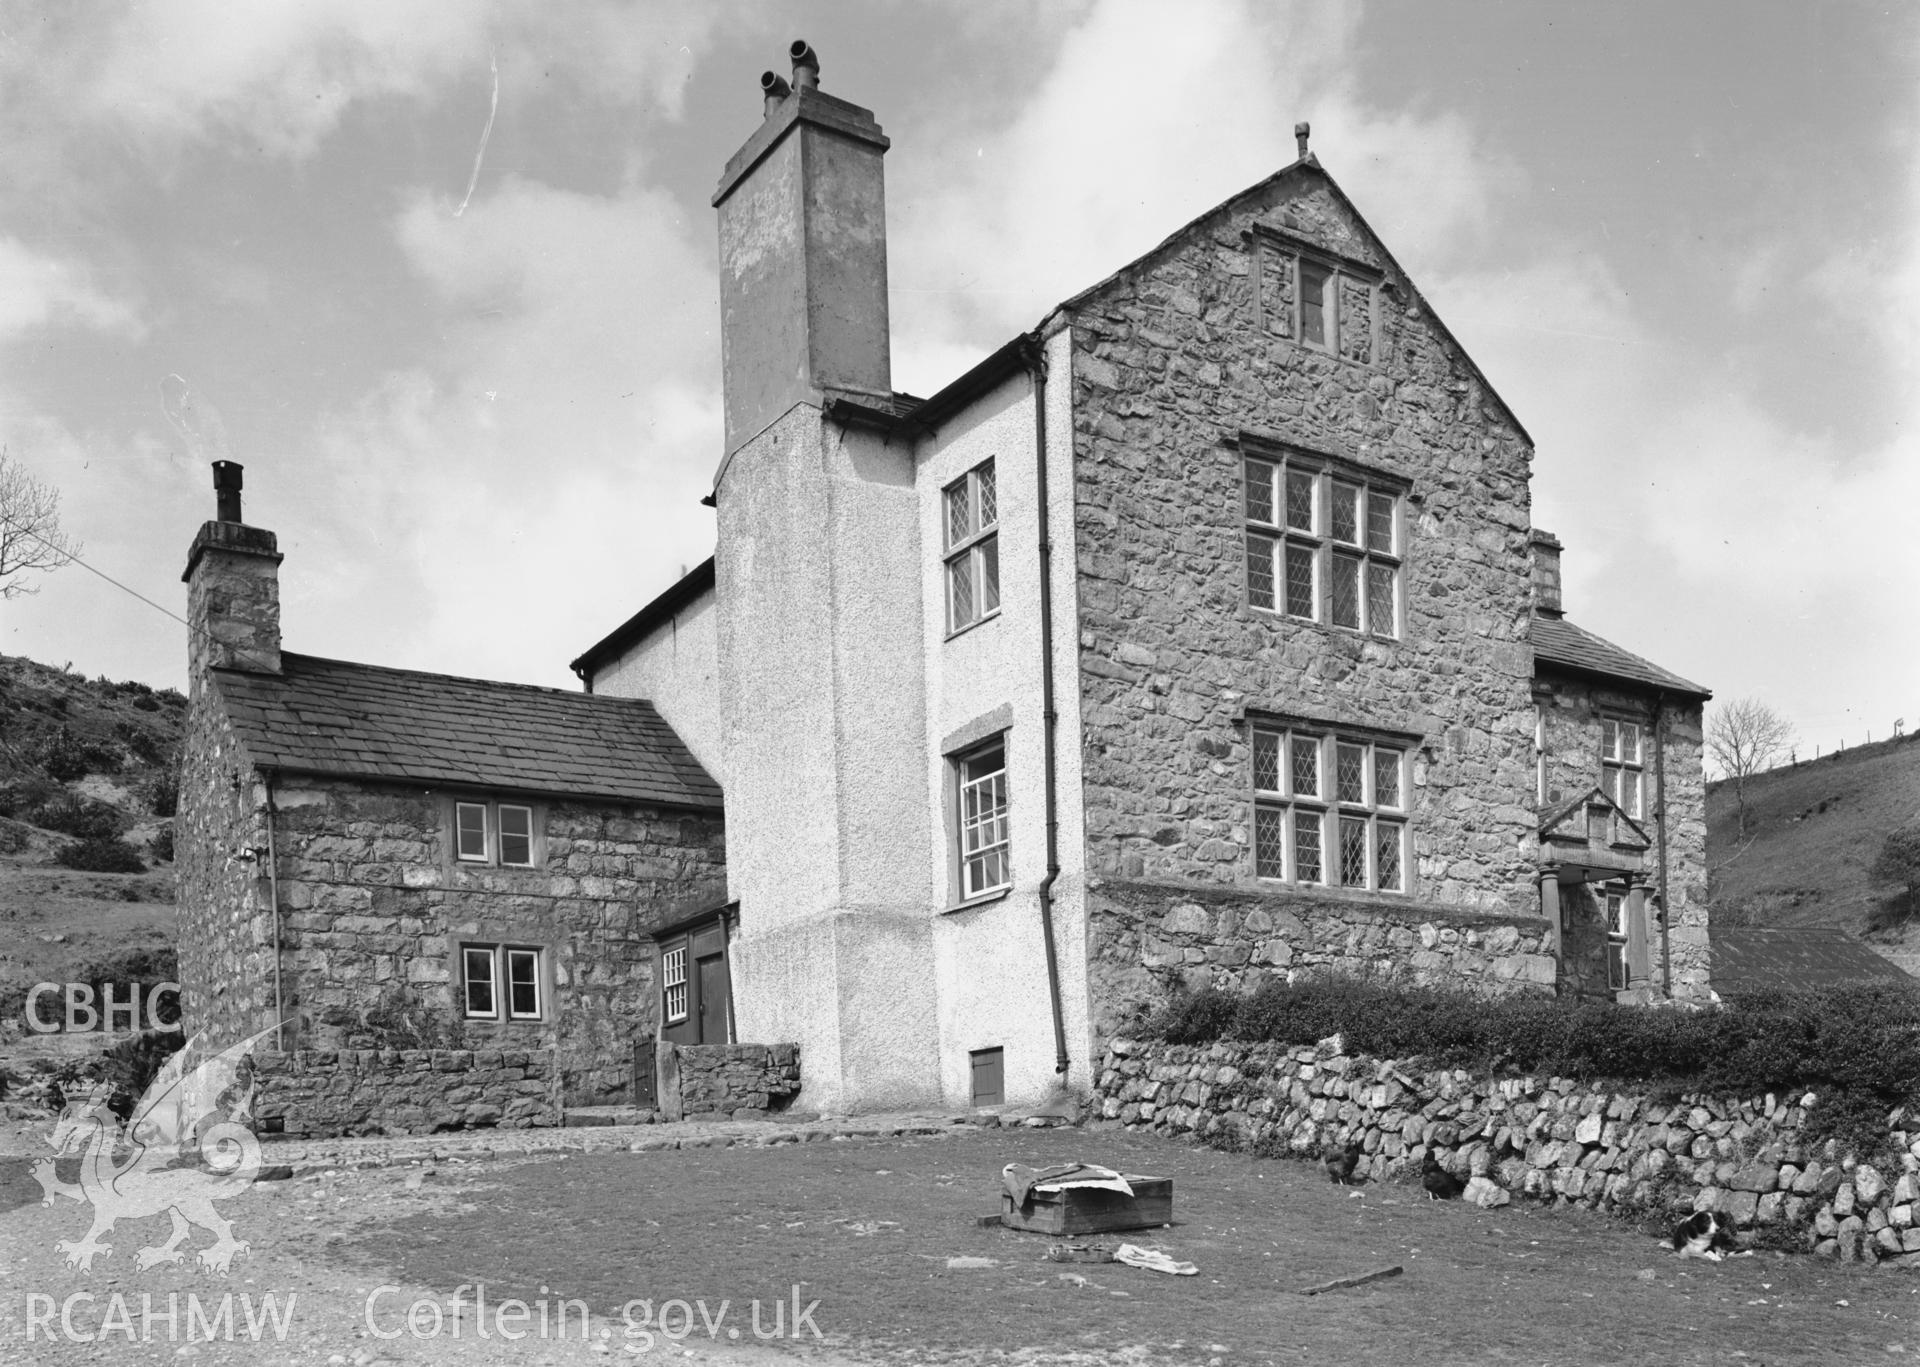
x=539 y=476
x=1151 y=115
x=279 y=75
x=37 y=290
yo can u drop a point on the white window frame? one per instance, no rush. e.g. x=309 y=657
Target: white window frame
x=471 y=955
x=460 y=831
x=493 y=834
x=1298 y=789
x=982 y=820
x=504 y=835
x=673 y=983
x=1623 y=764
x=498 y=958
x=972 y=555
x=529 y=955
x=1287 y=534
x=1539 y=754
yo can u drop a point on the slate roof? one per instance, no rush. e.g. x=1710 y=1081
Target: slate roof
x=1803 y=957
x=365 y=721
x=1557 y=641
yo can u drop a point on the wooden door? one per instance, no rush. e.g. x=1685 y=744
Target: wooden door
x=713 y=1000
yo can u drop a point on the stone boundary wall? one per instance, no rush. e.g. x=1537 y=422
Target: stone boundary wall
x=1550 y=1139
x=740 y=1081
x=321 y=1093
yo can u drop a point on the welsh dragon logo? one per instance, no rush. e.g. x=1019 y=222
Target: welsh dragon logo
x=187 y=1144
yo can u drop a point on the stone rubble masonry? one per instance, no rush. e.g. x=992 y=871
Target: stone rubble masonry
x=1573 y=710
x=327 y=1094
x=1172 y=362
x=373 y=903
x=1552 y=1140
x=1155 y=938
x=224 y=921
x=740 y=1081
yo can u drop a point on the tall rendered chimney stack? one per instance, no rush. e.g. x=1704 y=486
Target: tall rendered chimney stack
x=803 y=255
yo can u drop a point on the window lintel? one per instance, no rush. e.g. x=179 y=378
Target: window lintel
x=1312 y=251
x=1264 y=446
x=1253 y=715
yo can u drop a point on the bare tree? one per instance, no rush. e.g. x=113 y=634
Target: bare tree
x=1745 y=736
x=31 y=540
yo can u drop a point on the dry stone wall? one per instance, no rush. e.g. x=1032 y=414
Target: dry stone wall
x=741 y=1081
x=1546 y=1139
x=322 y=1093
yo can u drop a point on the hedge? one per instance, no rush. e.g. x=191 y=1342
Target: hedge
x=1858 y=1049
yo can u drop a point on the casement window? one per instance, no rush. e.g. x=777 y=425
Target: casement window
x=1615 y=902
x=981 y=792
x=972 y=516
x=1621 y=775
x=502 y=982
x=1329 y=809
x=673 y=983
x=1322 y=301
x=1324 y=544
x=493 y=833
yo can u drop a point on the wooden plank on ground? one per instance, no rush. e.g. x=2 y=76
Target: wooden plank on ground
x=1342 y=1283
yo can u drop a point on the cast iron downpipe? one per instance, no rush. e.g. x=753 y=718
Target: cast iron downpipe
x=1666 y=832
x=1036 y=358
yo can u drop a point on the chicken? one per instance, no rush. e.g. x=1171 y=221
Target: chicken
x=1441 y=1185
x=1340 y=1164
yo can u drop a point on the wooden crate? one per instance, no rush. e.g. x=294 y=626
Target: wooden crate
x=1093 y=1210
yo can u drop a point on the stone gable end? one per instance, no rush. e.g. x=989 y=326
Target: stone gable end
x=1175 y=359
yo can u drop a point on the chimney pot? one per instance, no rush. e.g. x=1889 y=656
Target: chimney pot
x=226 y=490
x=1301 y=132
x=806 y=65
x=774 y=89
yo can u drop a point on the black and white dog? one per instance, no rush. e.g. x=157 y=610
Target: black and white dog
x=1703 y=1234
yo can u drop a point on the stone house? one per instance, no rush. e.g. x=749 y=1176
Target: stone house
x=360 y=849
x=1196 y=635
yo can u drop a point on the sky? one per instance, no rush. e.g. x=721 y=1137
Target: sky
x=441 y=276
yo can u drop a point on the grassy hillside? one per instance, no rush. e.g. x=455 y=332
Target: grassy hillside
x=87 y=790
x=1813 y=833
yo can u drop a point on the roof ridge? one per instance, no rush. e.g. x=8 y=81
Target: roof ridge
x=543 y=689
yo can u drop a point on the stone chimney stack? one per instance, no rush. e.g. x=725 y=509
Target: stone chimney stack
x=1544 y=547
x=233 y=589
x=803 y=255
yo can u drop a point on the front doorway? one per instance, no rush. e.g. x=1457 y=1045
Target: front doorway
x=695 y=980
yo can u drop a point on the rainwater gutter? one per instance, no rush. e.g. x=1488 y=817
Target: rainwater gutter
x=1036 y=361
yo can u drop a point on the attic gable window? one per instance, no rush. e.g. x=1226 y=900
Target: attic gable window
x=970 y=510
x=1324 y=543
x=1311 y=296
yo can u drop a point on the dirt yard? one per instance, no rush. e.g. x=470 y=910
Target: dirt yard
x=865 y=1228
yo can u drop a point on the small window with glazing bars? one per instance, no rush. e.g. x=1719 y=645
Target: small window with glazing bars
x=970 y=510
